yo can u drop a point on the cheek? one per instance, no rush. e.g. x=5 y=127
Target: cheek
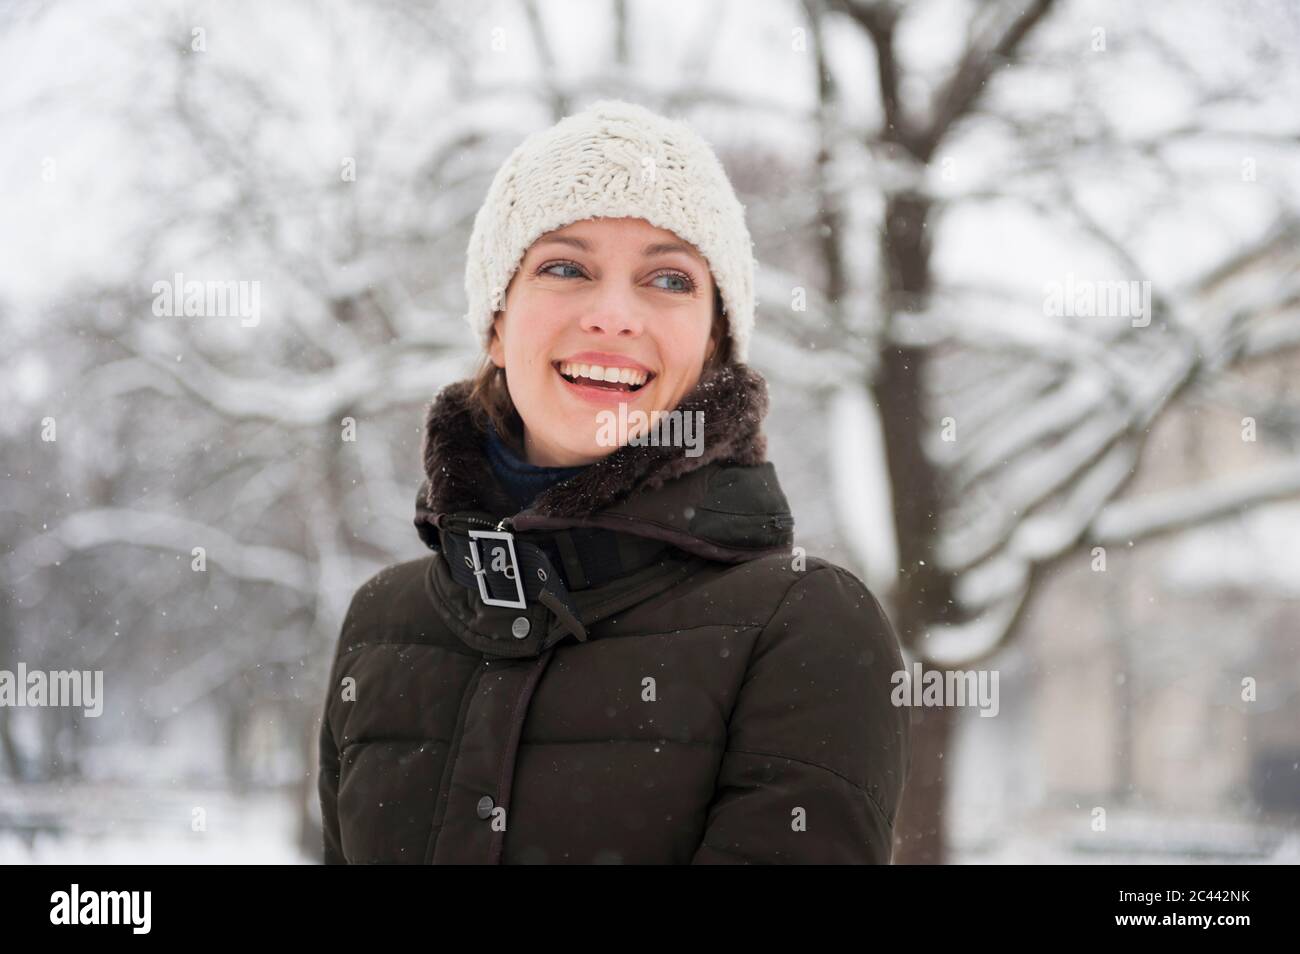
x=536 y=331
x=534 y=340
x=684 y=351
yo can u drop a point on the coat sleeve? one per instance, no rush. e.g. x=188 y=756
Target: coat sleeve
x=362 y=607
x=328 y=785
x=816 y=753
x=329 y=761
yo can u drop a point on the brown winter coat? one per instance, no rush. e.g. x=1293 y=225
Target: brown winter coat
x=727 y=703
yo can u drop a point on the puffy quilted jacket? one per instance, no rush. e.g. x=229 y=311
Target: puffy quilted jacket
x=726 y=700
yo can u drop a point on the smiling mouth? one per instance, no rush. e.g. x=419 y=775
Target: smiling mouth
x=604 y=385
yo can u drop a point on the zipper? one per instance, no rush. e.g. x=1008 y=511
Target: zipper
x=503 y=524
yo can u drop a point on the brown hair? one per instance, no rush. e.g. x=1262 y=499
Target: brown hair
x=490 y=397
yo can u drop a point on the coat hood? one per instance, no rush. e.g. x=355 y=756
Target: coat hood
x=724 y=504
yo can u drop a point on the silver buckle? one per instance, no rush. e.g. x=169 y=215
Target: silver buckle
x=479 y=571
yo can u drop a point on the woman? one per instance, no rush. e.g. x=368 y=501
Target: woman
x=615 y=653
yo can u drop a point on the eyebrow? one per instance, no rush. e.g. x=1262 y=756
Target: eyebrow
x=654 y=248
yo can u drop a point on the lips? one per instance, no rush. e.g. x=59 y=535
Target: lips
x=599 y=392
x=625 y=380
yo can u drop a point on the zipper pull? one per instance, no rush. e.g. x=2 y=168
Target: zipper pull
x=502 y=524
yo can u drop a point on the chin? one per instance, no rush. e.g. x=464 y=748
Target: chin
x=575 y=454
x=591 y=450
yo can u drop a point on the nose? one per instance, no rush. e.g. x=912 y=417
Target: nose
x=614 y=312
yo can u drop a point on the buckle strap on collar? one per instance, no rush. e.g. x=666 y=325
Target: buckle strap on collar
x=512 y=570
x=506 y=569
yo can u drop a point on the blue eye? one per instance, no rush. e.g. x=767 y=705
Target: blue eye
x=686 y=284
x=547 y=269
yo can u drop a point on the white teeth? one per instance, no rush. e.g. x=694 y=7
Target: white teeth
x=596 y=372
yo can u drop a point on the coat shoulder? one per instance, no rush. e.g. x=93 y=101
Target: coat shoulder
x=805 y=605
x=783 y=572
x=390 y=602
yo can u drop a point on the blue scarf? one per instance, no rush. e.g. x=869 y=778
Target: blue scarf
x=520 y=479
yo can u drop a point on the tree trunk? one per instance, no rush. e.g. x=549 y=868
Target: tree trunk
x=9 y=747
x=922 y=595
x=919 y=837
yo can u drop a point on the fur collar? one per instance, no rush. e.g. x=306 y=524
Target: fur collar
x=733 y=398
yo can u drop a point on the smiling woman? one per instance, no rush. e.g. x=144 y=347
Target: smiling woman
x=590 y=374
x=615 y=654
x=644 y=297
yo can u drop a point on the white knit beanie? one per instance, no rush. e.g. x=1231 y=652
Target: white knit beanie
x=613 y=159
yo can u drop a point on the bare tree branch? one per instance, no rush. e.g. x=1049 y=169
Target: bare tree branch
x=973 y=73
x=1155 y=514
x=108 y=526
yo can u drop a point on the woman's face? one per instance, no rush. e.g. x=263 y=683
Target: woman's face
x=601 y=293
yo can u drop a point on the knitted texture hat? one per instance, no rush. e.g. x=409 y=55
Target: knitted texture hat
x=613 y=159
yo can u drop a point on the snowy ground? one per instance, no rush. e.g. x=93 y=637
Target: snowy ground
x=103 y=824
x=1131 y=837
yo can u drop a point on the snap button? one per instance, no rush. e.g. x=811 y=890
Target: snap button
x=519 y=628
x=485 y=806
